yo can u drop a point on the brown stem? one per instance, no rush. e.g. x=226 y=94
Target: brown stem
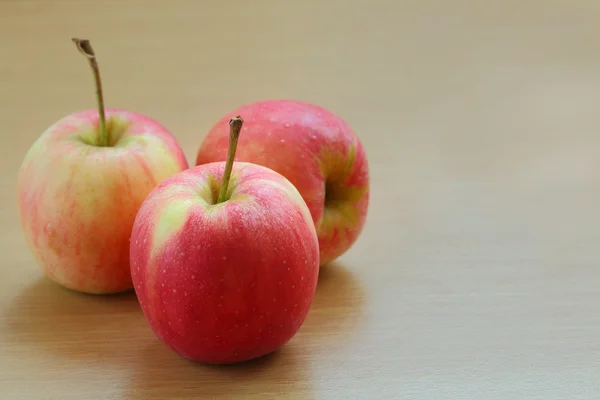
x=85 y=48
x=235 y=126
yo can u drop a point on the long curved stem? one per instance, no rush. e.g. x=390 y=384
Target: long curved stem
x=85 y=48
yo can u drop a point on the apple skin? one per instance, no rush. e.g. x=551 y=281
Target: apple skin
x=77 y=201
x=316 y=151
x=229 y=282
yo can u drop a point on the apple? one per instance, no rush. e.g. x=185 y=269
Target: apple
x=317 y=152
x=80 y=186
x=225 y=260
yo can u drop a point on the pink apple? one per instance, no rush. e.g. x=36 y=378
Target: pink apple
x=316 y=151
x=225 y=275
x=79 y=190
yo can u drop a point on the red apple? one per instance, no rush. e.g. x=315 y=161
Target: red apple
x=225 y=269
x=316 y=151
x=80 y=187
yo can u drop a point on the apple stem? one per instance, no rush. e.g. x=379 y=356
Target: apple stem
x=85 y=48
x=235 y=126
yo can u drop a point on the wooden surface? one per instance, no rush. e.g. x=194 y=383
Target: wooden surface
x=478 y=273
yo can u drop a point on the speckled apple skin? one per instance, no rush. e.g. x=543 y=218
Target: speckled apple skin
x=228 y=282
x=77 y=202
x=317 y=151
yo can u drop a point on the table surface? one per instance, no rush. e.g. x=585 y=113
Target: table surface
x=477 y=275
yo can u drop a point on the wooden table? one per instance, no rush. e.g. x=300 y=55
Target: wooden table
x=478 y=273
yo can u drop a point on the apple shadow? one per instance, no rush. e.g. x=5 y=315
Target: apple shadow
x=338 y=308
x=336 y=314
x=46 y=317
x=162 y=374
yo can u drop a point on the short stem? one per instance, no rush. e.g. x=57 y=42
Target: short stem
x=85 y=48
x=235 y=126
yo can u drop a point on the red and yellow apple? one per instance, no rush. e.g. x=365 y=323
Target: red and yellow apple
x=316 y=151
x=80 y=187
x=225 y=269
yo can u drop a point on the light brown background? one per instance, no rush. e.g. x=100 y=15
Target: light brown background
x=477 y=276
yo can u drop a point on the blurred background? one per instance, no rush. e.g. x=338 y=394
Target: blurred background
x=477 y=273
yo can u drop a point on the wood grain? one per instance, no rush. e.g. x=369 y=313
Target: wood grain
x=478 y=273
